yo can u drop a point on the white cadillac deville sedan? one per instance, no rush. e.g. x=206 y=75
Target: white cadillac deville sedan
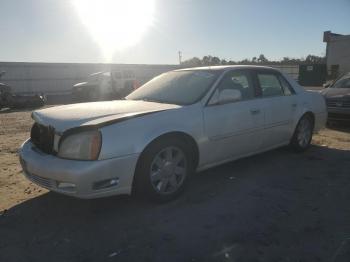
x=179 y=122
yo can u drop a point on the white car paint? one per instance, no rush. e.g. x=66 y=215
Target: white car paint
x=221 y=132
x=69 y=116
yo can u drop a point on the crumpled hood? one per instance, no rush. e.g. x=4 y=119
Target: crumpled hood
x=336 y=92
x=65 y=117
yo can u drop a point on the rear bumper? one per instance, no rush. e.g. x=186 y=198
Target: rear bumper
x=50 y=172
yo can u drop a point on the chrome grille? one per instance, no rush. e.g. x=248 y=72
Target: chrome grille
x=338 y=103
x=42 y=137
x=41 y=181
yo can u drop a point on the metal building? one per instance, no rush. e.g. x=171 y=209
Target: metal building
x=337 y=53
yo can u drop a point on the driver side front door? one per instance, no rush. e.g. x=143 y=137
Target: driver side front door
x=234 y=128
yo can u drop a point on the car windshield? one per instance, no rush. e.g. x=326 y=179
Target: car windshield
x=343 y=82
x=176 y=87
x=98 y=75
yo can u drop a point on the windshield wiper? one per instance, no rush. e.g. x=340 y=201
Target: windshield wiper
x=151 y=100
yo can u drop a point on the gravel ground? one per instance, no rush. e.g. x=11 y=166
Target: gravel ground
x=276 y=206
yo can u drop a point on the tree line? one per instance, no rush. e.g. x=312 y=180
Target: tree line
x=261 y=59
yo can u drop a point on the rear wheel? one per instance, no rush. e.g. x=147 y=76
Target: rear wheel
x=303 y=134
x=164 y=169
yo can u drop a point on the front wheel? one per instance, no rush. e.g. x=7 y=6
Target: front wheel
x=303 y=134
x=163 y=170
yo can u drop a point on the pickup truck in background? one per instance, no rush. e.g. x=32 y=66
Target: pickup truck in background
x=103 y=86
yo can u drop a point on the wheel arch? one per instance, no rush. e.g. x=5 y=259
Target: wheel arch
x=180 y=135
x=311 y=114
x=172 y=134
x=308 y=113
x=304 y=112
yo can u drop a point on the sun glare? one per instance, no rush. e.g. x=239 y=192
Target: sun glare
x=115 y=24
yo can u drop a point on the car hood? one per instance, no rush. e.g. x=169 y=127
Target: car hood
x=62 y=118
x=336 y=92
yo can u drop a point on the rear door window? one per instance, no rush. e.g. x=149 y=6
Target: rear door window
x=270 y=85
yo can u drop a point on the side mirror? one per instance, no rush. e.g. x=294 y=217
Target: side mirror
x=229 y=95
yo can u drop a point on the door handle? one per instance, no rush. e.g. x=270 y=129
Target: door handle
x=294 y=105
x=255 y=111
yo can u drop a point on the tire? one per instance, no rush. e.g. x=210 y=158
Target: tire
x=163 y=170
x=303 y=134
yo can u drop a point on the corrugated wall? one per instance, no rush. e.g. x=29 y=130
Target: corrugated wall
x=338 y=53
x=52 y=78
x=292 y=70
x=58 y=78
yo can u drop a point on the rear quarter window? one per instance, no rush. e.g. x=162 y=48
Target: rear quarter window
x=287 y=88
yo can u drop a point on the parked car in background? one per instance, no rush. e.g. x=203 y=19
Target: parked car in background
x=105 y=86
x=337 y=97
x=179 y=122
x=5 y=95
x=10 y=100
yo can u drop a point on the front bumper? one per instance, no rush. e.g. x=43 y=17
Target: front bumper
x=50 y=171
x=338 y=114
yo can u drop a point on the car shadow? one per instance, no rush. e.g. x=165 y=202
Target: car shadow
x=270 y=206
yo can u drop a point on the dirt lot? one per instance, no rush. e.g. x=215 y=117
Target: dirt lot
x=277 y=206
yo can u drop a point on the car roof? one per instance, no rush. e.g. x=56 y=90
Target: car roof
x=227 y=67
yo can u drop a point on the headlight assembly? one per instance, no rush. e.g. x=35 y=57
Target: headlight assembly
x=85 y=145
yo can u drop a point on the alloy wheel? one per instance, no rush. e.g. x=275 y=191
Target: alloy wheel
x=168 y=170
x=304 y=132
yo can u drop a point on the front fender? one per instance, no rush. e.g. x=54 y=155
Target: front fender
x=133 y=136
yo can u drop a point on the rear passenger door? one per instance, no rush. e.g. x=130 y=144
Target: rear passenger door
x=280 y=107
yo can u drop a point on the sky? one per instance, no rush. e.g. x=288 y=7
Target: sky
x=53 y=30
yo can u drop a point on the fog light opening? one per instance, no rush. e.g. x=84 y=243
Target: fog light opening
x=107 y=183
x=66 y=186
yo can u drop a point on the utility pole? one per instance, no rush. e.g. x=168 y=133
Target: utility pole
x=180 y=57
